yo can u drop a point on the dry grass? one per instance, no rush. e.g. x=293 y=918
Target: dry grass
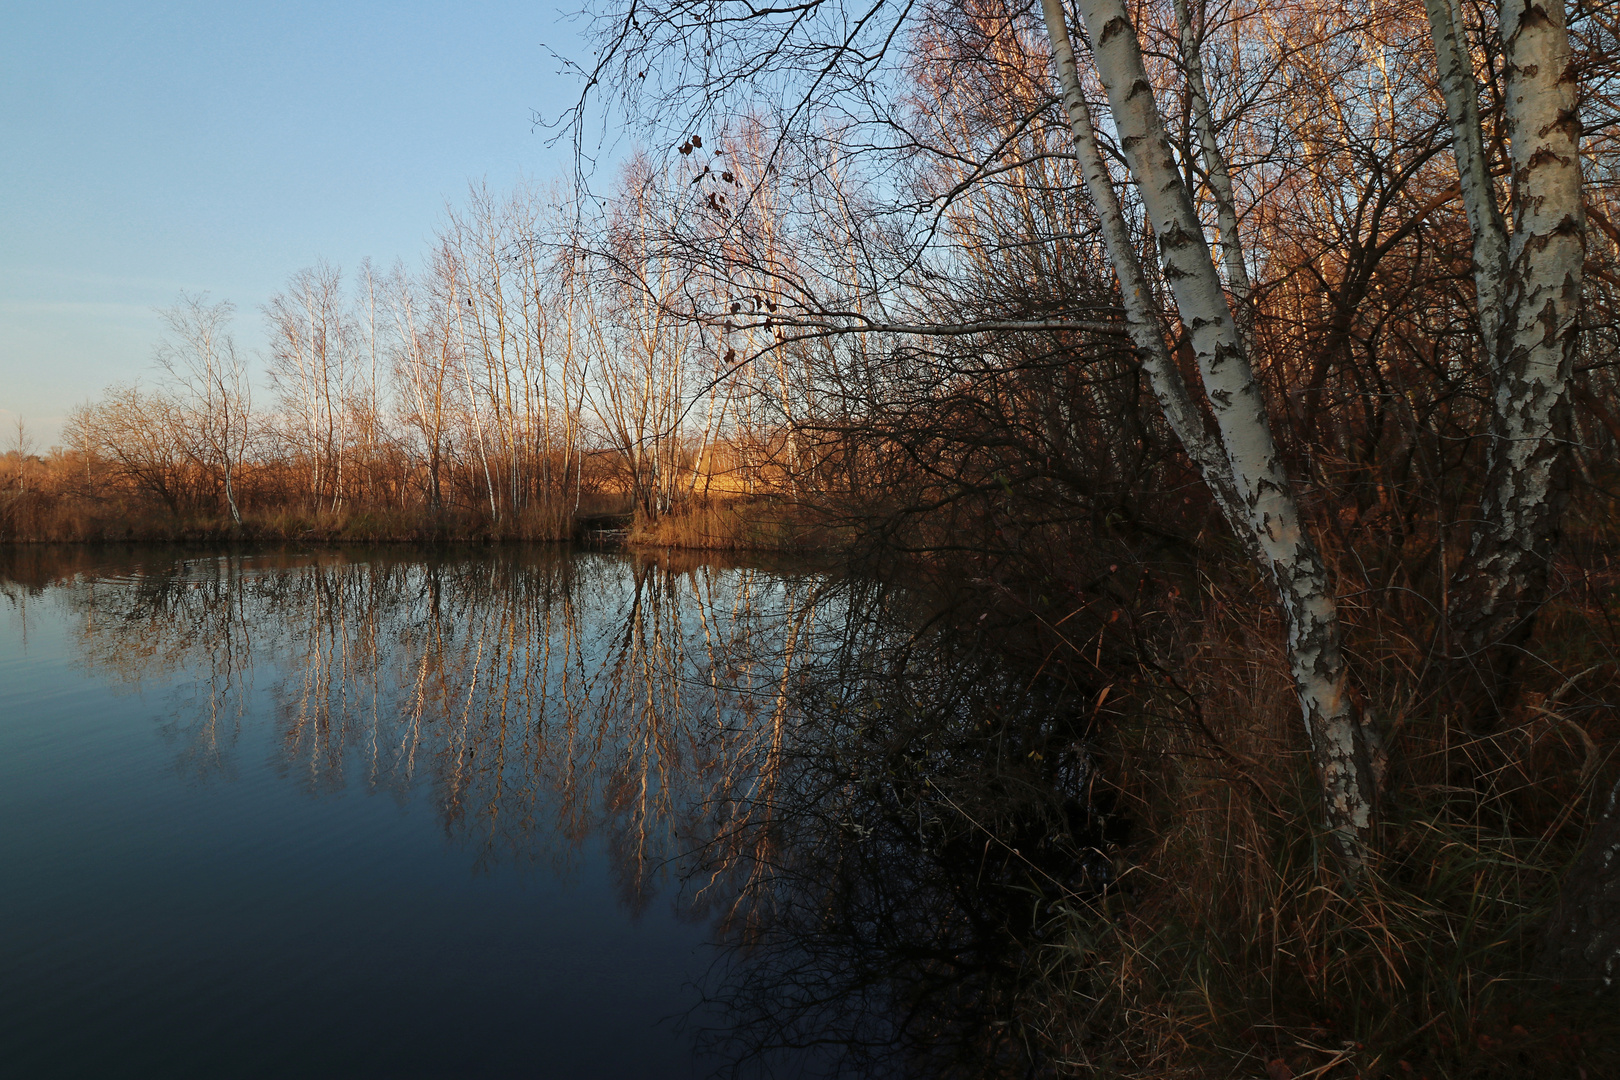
x=718 y=524
x=1234 y=947
x=33 y=517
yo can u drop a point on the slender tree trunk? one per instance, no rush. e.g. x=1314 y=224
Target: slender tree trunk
x=230 y=495
x=1338 y=739
x=1141 y=315
x=1220 y=177
x=478 y=423
x=1529 y=289
x=1457 y=85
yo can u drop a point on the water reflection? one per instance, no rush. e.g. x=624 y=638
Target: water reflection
x=933 y=805
x=540 y=697
x=875 y=810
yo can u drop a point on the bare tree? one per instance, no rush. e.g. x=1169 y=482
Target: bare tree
x=22 y=445
x=312 y=366
x=143 y=437
x=647 y=391
x=209 y=382
x=424 y=362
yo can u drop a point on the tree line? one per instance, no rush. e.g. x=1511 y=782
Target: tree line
x=1320 y=296
x=534 y=363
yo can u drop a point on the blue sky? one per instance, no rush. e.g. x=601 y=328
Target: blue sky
x=150 y=148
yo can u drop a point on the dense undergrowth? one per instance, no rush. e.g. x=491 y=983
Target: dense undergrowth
x=47 y=517
x=743 y=524
x=720 y=524
x=1229 y=941
x=1234 y=946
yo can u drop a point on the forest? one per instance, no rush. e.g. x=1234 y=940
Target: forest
x=1250 y=366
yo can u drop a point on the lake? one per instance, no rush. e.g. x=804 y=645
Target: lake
x=519 y=812
x=369 y=814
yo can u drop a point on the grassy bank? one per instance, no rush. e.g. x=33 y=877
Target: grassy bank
x=742 y=524
x=718 y=524
x=1233 y=946
x=30 y=517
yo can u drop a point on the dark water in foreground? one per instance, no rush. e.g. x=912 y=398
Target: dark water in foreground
x=526 y=813
x=329 y=815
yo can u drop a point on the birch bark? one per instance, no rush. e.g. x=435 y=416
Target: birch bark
x=1529 y=288
x=1220 y=177
x=1457 y=86
x=1141 y=315
x=1339 y=743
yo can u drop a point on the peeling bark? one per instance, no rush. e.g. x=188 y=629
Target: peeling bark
x=1529 y=289
x=1141 y=315
x=1338 y=740
x=1529 y=294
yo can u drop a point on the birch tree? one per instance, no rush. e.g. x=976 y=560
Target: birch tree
x=1234 y=247
x=644 y=350
x=211 y=388
x=1528 y=283
x=1248 y=474
x=424 y=361
x=312 y=366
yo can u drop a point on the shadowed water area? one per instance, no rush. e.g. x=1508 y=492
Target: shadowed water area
x=521 y=813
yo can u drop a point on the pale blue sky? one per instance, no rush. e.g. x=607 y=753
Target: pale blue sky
x=149 y=148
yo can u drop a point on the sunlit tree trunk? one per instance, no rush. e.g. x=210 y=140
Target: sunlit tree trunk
x=1141 y=313
x=1338 y=740
x=1220 y=177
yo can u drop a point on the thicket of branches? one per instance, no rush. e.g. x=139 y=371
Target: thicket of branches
x=1319 y=293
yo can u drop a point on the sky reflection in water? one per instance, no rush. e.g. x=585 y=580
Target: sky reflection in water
x=330 y=815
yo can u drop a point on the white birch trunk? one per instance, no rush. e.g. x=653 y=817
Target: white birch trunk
x=1141 y=316
x=1220 y=177
x=1457 y=85
x=1529 y=289
x=1338 y=741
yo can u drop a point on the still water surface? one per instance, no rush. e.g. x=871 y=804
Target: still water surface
x=335 y=814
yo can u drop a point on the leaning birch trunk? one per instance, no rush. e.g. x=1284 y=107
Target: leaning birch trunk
x=1529 y=296
x=1141 y=318
x=233 y=407
x=1338 y=740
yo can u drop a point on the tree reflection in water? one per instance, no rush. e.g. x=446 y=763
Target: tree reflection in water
x=932 y=805
x=875 y=810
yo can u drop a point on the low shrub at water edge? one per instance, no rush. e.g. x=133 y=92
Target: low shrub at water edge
x=731 y=525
